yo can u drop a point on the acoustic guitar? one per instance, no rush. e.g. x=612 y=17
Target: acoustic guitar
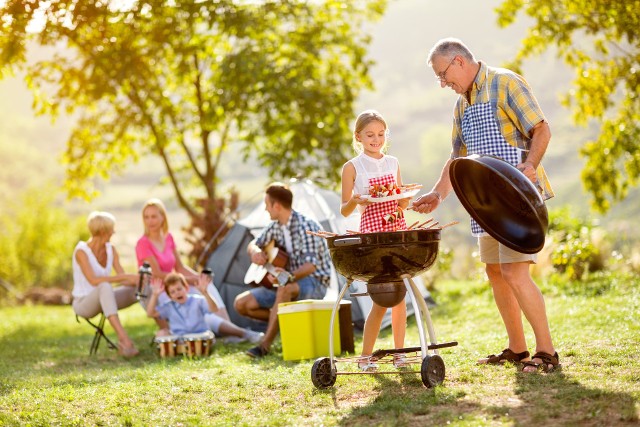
x=276 y=258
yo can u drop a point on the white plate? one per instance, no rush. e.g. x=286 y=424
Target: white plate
x=404 y=195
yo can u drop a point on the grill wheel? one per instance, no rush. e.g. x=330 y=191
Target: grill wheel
x=432 y=371
x=322 y=375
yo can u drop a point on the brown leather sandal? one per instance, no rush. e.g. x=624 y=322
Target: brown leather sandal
x=549 y=363
x=506 y=356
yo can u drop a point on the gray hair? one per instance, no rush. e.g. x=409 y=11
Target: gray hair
x=101 y=223
x=450 y=48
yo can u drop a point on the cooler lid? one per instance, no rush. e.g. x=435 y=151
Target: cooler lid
x=305 y=305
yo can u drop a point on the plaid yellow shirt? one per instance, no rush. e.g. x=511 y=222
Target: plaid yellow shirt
x=514 y=106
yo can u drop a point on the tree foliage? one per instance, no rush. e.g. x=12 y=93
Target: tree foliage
x=192 y=82
x=600 y=40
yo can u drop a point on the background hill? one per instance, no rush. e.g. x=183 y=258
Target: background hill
x=406 y=93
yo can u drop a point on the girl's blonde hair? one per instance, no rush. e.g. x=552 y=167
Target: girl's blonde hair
x=100 y=223
x=362 y=121
x=163 y=211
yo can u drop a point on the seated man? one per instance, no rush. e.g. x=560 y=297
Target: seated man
x=309 y=264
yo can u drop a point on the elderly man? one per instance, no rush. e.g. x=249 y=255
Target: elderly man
x=497 y=114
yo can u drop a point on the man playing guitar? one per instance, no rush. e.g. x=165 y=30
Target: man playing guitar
x=309 y=264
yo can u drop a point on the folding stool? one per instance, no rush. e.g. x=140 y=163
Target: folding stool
x=99 y=328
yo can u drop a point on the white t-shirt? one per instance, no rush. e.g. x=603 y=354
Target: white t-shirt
x=367 y=167
x=81 y=286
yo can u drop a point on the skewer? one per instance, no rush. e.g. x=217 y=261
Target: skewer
x=326 y=234
x=448 y=225
x=426 y=222
x=323 y=234
x=412 y=225
x=313 y=233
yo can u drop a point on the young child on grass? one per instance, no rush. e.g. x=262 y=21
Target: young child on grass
x=191 y=313
x=373 y=168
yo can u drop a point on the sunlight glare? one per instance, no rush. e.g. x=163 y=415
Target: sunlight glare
x=39 y=19
x=121 y=5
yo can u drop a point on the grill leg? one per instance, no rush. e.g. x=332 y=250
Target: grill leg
x=333 y=319
x=420 y=308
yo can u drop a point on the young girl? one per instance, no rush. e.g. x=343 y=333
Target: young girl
x=372 y=168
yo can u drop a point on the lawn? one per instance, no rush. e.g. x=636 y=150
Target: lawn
x=48 y=378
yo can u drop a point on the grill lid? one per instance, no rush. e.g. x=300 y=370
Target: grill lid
x=502 y=200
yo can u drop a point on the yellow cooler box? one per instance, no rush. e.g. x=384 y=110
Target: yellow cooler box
x=304 y=329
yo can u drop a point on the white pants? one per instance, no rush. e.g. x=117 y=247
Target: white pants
x=104 y=299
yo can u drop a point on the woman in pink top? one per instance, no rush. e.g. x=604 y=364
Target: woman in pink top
x=158 y=249
x=157 y=246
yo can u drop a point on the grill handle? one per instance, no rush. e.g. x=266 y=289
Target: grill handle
x=347 y=241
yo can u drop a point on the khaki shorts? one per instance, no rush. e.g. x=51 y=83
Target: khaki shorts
x=494 y=252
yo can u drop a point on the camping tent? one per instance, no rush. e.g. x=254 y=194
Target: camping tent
x=230 y=260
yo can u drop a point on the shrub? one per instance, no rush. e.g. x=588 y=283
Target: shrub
x=37 y=240
x=578 y=245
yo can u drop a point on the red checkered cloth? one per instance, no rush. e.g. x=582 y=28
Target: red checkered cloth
x=372 y=219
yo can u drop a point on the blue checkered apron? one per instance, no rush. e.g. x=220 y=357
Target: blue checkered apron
x=481 y=135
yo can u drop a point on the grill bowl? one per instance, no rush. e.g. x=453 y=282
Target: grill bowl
x=381 y=258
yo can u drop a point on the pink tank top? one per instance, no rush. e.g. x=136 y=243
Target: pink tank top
x=166 y=259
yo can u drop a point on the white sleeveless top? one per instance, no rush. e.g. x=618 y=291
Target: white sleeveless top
x=81 y=286
x=367 y=167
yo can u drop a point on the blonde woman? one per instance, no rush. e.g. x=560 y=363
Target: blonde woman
x=158 y=248
x=94 y=263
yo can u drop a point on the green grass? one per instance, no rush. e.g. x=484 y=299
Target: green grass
x=47 y=377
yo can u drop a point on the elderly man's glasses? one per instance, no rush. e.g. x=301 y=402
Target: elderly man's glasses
x=442 y=77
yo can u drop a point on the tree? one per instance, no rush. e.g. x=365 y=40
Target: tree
x=191 y=82
x=600 y=40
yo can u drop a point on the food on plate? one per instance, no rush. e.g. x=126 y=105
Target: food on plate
x=381 y=190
